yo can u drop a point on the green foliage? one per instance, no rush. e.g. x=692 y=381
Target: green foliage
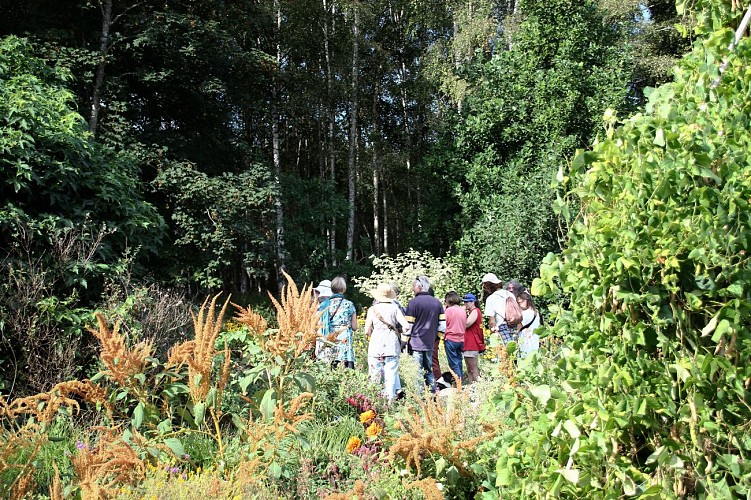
x=220 y=221
x=531 y=106
x=650 y=397
x=404 y=268
x=70 y=210
x=53 y=177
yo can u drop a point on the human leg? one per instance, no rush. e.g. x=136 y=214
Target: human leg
x=390 y=376
x=424 y=360
x=454 y=356
x=473 y=369
x=375 y=370
x=436 y=366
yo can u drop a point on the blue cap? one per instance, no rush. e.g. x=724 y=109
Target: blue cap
x=470 y=297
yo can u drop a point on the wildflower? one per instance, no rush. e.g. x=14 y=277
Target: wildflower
x=367 y=416
x=353 y=444
x=373 y=430
x=174 y=470
x=186 y=456
x=81 y=445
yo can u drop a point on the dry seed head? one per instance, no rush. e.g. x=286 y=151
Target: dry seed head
x=357 y=493
x=254 y=321
x=431 y=428
x=199 y=353
x=111 y=462
x=23 y=485
x=428 y=487
x=297 y=316
x=121 y=363
x=55 y=490
x=44 y=406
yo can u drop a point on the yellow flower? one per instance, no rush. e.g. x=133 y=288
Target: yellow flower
x=373 y=430
x=353 y=444
x=367 y=416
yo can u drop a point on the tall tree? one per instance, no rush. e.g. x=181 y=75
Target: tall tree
x=280 y=253
x=531 y=106
x=353 y=130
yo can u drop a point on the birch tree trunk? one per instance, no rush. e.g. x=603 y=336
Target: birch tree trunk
x=353 y=135
x=331 y=122
x=104 y=41
x=376 y=128
x=385 y=223
x=280 y=252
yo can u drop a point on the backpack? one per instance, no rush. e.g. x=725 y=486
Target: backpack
x=513 y=312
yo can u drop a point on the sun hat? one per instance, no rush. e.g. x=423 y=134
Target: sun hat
x=470 y=297
x=490 y=278
x=383 y=293
x=324 y=288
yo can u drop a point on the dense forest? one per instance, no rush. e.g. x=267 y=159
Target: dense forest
x=255 y=136
x=155 y=153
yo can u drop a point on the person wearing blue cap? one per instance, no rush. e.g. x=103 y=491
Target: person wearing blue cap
x=474 y=339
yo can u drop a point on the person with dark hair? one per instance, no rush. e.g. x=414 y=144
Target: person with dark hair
x=456 y=325
x=495 y=307
x=342 y=317
x=424 y=313
x=474 y=339
x=528 y=340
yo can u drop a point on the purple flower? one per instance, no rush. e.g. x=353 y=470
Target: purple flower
x=174 y=470
x=81 y=445
x=187 y=456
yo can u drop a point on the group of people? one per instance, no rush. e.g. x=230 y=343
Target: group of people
x=420 y=327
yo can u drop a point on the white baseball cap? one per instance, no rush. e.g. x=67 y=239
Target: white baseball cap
x=490 y=278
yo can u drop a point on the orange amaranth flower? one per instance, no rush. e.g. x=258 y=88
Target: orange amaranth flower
x=367 y=416
x=353 y=444
x=373 y=430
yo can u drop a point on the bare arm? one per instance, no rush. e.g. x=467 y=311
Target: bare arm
x=472 y=318
x=354 y=321
x=369 y=324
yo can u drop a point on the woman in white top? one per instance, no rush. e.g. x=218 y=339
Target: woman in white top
x=528 y=340
x=384 y=344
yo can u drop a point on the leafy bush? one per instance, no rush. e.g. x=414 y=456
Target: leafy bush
x=650 y=395
x=404 y=268
x=530 y=106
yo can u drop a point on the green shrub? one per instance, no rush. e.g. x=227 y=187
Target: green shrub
x=650 y=395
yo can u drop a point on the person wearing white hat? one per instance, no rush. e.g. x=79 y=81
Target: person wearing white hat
x=323 y=290
x=495 y=307
x=323 y=351
x=382 y=324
